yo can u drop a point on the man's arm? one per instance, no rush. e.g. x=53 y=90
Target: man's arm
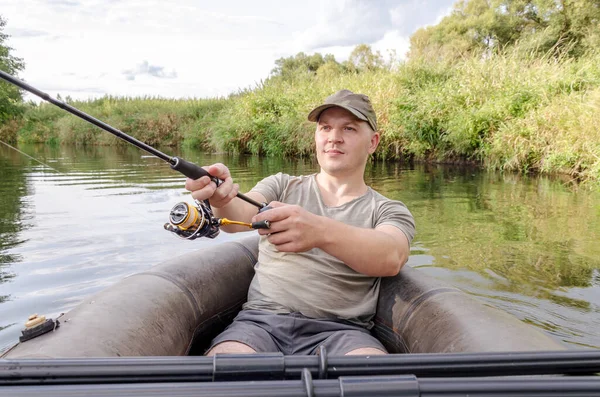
x=378 y=252
x=375 y=252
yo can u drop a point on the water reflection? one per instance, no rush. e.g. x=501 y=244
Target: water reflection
x=532 y=238
x=13 y=206
x=527 y=245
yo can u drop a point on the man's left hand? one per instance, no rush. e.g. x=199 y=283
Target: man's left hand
x=293 y=229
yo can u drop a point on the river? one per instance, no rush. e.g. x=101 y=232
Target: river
x=525 y=244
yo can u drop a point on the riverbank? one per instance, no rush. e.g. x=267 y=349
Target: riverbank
x=503 y=112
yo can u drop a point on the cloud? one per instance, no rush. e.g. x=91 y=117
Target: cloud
x=26 y=33
x=63 y=3
x=410 y=15
x=347 y=22
x=188 y=48
x=146 y=69
x=351 y=22
x=392 y=42
x=242 y=20
x=71 y=88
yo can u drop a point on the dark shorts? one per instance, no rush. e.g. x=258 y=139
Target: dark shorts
x=295 y=334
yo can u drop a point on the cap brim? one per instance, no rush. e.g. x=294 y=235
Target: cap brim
x=316 y=112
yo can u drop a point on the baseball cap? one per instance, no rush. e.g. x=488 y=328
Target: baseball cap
x=357 y=104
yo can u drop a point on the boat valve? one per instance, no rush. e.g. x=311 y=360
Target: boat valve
x=36 y=326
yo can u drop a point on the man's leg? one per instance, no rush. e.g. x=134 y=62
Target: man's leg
x=338 y=338
x=365 y=351
x=246 y=334
x=230 y=347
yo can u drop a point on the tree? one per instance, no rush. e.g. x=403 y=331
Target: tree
x=330 y=70
x=300 y=65
x=10 y=95
x=569 y=26
x=362 y=58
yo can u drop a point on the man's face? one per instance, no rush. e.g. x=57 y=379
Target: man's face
x=343 y=142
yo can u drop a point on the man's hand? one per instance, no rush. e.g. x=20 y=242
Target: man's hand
x=203 y=188
x=293 y=229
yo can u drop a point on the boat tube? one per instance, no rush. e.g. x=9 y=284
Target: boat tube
x=178 y=306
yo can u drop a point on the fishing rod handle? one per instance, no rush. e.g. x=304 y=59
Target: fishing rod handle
x=191 y=170
x=194 y=171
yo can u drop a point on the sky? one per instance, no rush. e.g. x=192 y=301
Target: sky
x=194 y=49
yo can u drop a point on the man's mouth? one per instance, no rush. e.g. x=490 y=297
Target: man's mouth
x=334 y=151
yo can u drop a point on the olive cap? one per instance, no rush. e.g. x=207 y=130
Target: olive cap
x=357 y=104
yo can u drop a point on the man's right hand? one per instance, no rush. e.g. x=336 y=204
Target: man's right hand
x=203 y=188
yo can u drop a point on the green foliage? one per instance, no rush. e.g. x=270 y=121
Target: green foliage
x=505 y=112
x=9 y=131
x=152 y=120
x=493 y=111
x=560 y=137
x=10 y=96
x=363 y=59
x=266 y=121
x=513 y=85
x=300 y=65
x=484 y=26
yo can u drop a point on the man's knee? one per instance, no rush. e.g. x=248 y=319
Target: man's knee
x=365 y=351
x=230 y=347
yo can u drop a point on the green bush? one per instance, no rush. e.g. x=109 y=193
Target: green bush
x=505 y=110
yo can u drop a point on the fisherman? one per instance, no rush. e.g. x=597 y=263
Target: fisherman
x=331 y=239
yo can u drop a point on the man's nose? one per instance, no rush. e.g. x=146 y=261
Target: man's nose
x=335 y=135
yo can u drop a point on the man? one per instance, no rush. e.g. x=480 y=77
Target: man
x=331 y=240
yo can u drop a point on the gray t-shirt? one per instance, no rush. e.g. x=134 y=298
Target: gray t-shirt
x=314 y=283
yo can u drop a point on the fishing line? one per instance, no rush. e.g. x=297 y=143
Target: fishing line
x=33 y=158
x=79 y=195
x=187 y=168
x=189 y=222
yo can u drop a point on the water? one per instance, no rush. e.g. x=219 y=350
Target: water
x=527 y=245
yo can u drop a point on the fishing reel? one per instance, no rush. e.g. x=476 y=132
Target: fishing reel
x=190 y=222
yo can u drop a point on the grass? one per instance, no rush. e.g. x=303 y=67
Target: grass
x=504 y=111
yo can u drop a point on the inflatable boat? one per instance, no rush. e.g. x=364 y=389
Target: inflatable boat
x=178 y=306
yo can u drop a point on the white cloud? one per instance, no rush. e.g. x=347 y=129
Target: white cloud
x=347 y=22
x=88 y=48
x=385 y=24
x=145 y=68
x=392 y=44
x=407 y=16
x=28 y=33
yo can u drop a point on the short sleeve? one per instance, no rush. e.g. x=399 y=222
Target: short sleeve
x=395 y=213
x=272 y=187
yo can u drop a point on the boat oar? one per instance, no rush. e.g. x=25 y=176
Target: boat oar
x=277 y=366
x=187 y=168
x=405 y=385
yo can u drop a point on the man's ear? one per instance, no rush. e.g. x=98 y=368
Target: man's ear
x=375 y=137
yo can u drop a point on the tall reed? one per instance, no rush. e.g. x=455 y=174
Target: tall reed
x=506 y=111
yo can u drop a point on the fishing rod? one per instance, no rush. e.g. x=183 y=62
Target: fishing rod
x=186 y=221
x=270 y=366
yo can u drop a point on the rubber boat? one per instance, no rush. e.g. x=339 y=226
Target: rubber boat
x=178 y=306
